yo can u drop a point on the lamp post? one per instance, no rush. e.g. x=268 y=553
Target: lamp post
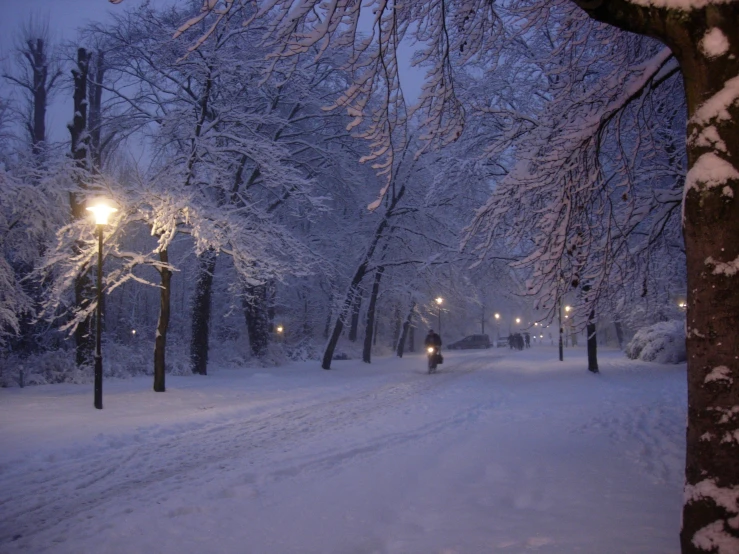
x=280 y=333
x=101 y=210
x=497 y=329
x=439 y=300
x=559 y=313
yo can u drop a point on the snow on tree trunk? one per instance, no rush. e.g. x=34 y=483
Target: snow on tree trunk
x=160 y=342
x=370 y=327
x=201 y=312
x=705 y=40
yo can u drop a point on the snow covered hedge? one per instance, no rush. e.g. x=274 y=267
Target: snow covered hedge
x=663 y=342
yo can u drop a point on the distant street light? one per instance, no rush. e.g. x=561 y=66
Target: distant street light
x=280 y=329
x=101 y=210
x=439 y=300
x=682 y=305
x=497 y=329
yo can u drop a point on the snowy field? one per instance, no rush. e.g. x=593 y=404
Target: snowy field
x=500 y=452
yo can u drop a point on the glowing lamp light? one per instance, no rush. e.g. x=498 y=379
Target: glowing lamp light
x=430 y=349
x=497 y=316
x=101 y=210
x=567 y=308
x=518 y=320
x=280 y=328
x=439 y=300
x=133 y=331
x=682 y=305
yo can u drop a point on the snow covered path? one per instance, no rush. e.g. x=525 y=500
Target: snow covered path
x=499 y=452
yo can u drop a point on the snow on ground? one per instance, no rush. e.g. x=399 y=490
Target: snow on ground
x=500 y=452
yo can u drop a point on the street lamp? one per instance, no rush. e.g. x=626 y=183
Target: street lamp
x=439 y=300
x=101 y=210
x=497 y=329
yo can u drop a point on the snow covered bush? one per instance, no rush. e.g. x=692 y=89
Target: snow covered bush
x=663 y=342
x=45 y=368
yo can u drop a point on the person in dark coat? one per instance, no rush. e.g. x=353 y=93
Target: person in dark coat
x=432 y=339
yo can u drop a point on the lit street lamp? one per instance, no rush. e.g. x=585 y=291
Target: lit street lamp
x=101 y=210
x=497 y=329
x=439 y=300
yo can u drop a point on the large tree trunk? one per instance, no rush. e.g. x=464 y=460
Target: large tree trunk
x=407 y=325
x=160 y=341
x=201 y=312
x=711 y=230
x=258 y=306
x=84 y=341
x=369 y=331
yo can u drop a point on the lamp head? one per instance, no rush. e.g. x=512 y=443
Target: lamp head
x=439 y=300
x=101 y=209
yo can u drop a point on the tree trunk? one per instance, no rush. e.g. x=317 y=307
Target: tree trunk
x=412 y=339
x=84 y=341
x=96 y=119
x=201 y=312
x=40 y=68
x=356 y=307
x=258 y=306
x=397 y=326
x=705 y=40
x=407 y=325
x=592 y=344
x=369 y=332
x=711 y=230
x=328 y=353
x=619 y=334
x=160 y=341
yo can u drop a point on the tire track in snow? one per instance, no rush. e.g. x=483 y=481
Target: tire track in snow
x=65 y=489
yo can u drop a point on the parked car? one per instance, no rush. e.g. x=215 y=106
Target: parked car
x=471 y=341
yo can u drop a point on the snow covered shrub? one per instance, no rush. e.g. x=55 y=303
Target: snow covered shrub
x=303 y=351
x=663 y=342
x=46 y=368
x=128 y=360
